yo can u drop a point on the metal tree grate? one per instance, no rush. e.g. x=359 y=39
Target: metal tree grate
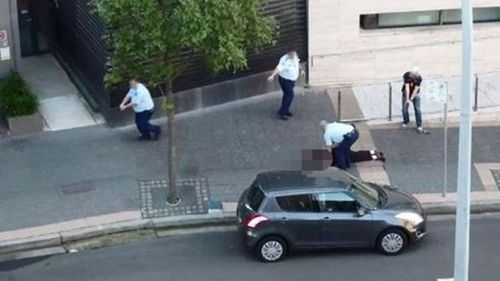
x=194 y=195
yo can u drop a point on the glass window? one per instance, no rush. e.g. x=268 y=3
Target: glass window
x=451 y=16
x=297 y=203
x=408 y=19
x=255 y=197
x=336 y=202
x=367 y=195
x=486 y=14
x=438 y=17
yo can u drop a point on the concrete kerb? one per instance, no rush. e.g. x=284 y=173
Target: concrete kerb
x=37 y=242
x=10 y=247
x=449 y=208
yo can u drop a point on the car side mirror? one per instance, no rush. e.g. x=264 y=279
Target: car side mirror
x=361 y=211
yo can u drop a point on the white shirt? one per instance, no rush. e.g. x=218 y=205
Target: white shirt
x=141 y=98
x=334 y=132
x=288 y=67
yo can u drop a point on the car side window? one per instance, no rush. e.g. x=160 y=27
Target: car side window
x=297 y=203
x=336 y=202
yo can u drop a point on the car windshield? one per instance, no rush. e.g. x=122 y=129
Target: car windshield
x=365 y=194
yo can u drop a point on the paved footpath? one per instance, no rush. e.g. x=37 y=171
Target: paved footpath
x=89 y=176
x=57 y=176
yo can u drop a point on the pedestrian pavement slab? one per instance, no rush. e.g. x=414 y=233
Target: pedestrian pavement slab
x=65 y=112
x=416 y=162
x=90 y=171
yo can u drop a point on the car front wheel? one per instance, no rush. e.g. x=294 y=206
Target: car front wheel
x=271 y=249
x=392 y=242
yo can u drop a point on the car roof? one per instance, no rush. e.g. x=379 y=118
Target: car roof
x=298 y=181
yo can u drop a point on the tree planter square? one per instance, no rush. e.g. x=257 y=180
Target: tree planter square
x=22 y=125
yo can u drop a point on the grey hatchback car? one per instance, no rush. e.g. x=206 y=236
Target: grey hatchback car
x=284 y=210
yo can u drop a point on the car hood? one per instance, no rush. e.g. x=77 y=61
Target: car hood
x=397 y=199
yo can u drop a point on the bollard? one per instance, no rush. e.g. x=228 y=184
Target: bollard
x=339 y=111
x=390 y=102
x=476 y=92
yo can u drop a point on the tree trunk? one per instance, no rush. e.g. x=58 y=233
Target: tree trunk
x=172 y=193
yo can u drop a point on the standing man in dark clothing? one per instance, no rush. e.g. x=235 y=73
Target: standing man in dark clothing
x=411 y=95
x=288 y=70
x=339 y=138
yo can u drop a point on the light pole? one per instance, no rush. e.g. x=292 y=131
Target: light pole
x=462 y=229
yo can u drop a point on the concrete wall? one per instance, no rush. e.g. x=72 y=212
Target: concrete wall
x=8 y=15
x=341 y=53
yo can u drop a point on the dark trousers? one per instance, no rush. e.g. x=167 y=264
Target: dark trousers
x=142 y=122
x=286 y=102
x=341 y=157
x=416 y=107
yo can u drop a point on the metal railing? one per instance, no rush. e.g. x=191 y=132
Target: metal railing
x=390 y=98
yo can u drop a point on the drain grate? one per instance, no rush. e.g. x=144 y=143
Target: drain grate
x=75 y=188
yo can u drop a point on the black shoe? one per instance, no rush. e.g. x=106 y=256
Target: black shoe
x=143 y=138
x=380 y=156
x=156 y=136
x=289 y=114
x=283 y=117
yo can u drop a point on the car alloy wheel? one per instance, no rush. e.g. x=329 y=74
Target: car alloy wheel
x=271 y=249
x=392 y=242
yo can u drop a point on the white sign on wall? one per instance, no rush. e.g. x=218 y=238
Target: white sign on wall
x=5 y=54
x=435 y=91
x=4 y=42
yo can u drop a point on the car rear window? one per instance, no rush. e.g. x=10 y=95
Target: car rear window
x=296 y=203
x=255 y=197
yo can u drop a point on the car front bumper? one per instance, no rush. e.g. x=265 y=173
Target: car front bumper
x=418 y=232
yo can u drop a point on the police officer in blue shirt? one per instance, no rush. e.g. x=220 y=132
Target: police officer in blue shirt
x=139 y=98
x=339 y=138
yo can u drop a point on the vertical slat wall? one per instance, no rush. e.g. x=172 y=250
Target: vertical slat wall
x=80 y=38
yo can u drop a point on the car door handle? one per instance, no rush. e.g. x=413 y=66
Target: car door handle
x=326 y=218
x=283 y=218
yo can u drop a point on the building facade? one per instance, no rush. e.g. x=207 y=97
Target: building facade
x=73 y=33
x=361 y=41
x=342 y=43
x=8 y=35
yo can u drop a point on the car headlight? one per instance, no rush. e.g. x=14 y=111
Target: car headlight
x=414 y=218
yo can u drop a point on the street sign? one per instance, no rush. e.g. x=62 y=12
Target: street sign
x=5 y=54
x=4 y=42
x=435 y=90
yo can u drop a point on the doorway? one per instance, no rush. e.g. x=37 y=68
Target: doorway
x=37 y=26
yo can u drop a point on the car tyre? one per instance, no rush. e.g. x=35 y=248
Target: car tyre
x=392 y=242
x=271 y=249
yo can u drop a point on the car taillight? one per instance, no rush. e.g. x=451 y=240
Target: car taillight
x=254 y=220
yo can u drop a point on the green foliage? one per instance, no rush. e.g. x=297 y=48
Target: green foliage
x=16 y=98
x=147 y=37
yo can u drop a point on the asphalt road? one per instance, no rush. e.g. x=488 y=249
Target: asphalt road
x=220 y=256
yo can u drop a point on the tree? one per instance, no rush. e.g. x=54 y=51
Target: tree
x=147 y=38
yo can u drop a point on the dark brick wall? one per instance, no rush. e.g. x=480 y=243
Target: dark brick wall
x=80 y=44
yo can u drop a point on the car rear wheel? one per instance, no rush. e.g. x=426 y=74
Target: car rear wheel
x=392 y=242
x=271 y=249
